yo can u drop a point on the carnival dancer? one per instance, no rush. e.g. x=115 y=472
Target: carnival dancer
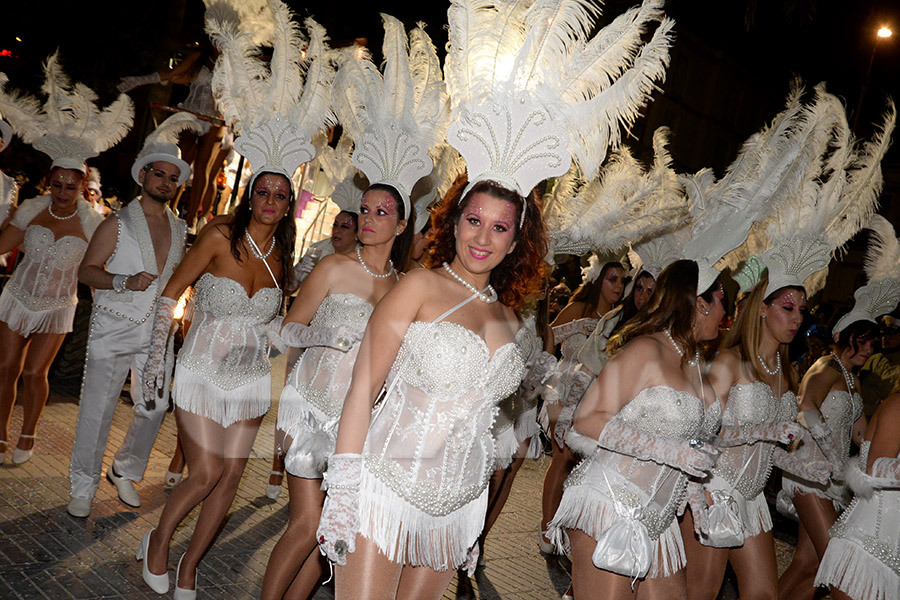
x=242 y=267
x=37 y=307
x=128 y=264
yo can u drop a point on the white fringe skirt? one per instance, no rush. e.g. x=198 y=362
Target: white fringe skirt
x=849 y=567
x=408 y=535
x=26 y=322
x=194 y=394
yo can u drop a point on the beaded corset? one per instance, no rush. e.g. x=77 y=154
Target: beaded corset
x=430 y=441
x=841 y=410
x=658 y=489
x=47 y=277
x=748 y=467
x=226 y=344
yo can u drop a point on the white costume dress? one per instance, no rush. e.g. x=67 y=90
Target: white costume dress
x=656 y=491
x=429 y=452
x=40 y=297
x=223 y=367
x=572 y=381
x=863 y=555
x=312 y=399
x=840 y=411
x=743 y=471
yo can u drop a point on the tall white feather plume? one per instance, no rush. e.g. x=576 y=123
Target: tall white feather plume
x=69 y=128
x=531 y=89
x=397 y=117
x=254 y=15
x=883 y=252
x=625 y=204
x=276 y=109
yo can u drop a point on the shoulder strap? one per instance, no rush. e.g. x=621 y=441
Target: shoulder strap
x=455 y=308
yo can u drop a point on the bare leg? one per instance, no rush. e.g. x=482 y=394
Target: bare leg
x=368 y=574
x=817 y=515
x=35 y=388
x=12 y=361
x=755 y=566
x=297 y=545
x=705 y=565
x=590 y=582
x=673 y=587
x=208 y=144
x=176 y=465
x=423 y=583
x=561 y=464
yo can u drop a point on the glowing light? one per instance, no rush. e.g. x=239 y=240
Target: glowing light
x=885 y=32
x=179 y=308
x=18 y=39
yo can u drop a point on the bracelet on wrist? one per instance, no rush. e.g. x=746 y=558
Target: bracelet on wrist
x=119 y=282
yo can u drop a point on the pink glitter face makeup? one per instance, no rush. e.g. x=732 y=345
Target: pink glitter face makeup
x=504 y=218
x=382 y=205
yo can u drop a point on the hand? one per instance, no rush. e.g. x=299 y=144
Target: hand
x=339 y=524
x=819 y=471
x=139 y=281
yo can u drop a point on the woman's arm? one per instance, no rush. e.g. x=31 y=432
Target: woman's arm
x=378 y=350
x=724 y=372
x=816 y=384
x=313 y=291
x=11 y=237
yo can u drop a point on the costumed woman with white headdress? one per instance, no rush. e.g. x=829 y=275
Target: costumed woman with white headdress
x=862 y=554
x=240 y=269
x=37 y=306
x=752 y=370
x=829 y=391
x=407 y=488
x=386 y=120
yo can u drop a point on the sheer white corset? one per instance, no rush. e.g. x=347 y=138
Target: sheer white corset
x=747 y=468
x=45 y=282
x=431 y=442
x=314 y=394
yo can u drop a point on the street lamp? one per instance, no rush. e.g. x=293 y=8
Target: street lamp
x=883 y=33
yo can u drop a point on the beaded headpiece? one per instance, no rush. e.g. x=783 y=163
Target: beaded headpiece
x=531 y=90
x=882 y=292
x=162 y=145
x=69 y=128
x=396 y=118
x=275 y=111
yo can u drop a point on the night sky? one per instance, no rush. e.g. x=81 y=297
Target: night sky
x=819 y=40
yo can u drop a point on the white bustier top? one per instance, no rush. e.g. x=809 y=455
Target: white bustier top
x=658 y=489
x=322 y=375
x=748 y=467
x=570 y=345
x=430 y=441
x=841 y=411
x=227 y=344
x=47 y=277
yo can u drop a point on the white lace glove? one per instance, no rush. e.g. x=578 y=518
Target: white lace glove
x=693 y=457
x=819 y=431
x=818 y=471
x=298 y=335
x=339 y=524
x=132 y=81
x=537 y=371
x=582 y=326
x=155 y=367
x=303 y=268
x=780 y=432
x=695 y=496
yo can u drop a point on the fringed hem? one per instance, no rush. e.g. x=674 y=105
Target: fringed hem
x=838 y=494
x=584 y=509
x=196 y=395
x=505 y=447
x=26 y=322
x=526 y=425
x=756 y=516
x=408 y=535
x=849 y=568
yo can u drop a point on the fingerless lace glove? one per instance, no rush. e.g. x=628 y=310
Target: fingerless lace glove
x=339 y=524
x=694 y=457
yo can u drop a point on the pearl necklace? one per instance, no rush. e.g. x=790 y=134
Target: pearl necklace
x=488 y=295
x=679 y=350
x=255 y=249
x=390 y=270
x=848 y=379
x=765 y=367
x=57 y=217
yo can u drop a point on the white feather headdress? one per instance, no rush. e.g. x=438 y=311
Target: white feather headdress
x=162 y=145
x=93 y=179
x=255 y=18
x=625 y=204
x=882 y=292
x=69 y=128
x=531 y=89
x=275 y=111
x=834 y=198
x=394 y=118
x=5 y=134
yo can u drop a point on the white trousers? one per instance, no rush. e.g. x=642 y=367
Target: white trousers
x=115 y=345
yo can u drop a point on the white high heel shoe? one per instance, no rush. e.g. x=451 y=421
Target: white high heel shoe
x=180 y=592
x=22 y=456
x=157 y=583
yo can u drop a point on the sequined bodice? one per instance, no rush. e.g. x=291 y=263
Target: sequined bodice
x=47 y=277
x=322 y=375
x=431 y=442
x=658 y=489
x=748 y=467
x=841 y=411
x=227 y=343
x=570 y=346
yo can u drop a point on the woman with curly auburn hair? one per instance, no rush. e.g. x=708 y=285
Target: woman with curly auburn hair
x=407 y=488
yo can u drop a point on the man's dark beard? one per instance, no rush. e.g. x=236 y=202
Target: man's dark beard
x=154 y=196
